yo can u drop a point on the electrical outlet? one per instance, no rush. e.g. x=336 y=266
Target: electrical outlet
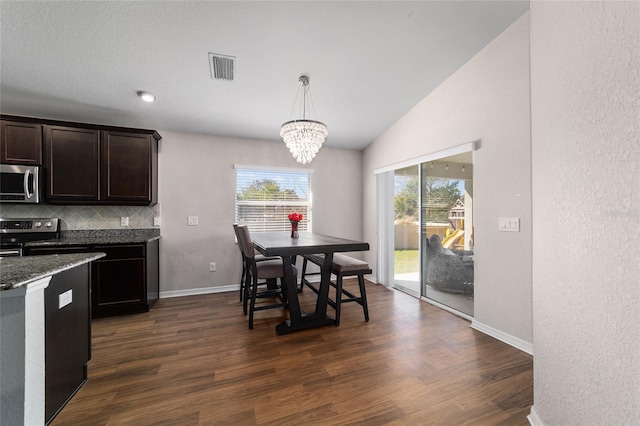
x=124 y=221
x=156 y=221
x=192 y=220
x=65 y=298
x=212 y=267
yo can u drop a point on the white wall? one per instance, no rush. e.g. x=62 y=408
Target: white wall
x=487 y=99
x=197 y=178
x=585 y=76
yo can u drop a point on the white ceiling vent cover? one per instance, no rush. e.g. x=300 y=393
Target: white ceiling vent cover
x=222 y=67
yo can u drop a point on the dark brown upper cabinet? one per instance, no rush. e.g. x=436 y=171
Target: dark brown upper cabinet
x=72 y=158
x=85 y=163
x=128 y=168
x=20 y=143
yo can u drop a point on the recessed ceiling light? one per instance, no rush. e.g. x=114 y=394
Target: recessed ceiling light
x=146 y=96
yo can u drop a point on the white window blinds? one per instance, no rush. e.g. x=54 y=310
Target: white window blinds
x=265 y=198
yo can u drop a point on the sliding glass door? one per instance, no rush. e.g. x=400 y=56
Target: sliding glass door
x=426 y=238
x=447 y=232
x=406 y=230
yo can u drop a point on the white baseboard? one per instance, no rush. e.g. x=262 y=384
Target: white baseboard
x=516 y=342
x=224 y=288
x=534 y=419
x=197 y=291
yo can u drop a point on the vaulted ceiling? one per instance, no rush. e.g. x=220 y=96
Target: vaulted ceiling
x=369 y=62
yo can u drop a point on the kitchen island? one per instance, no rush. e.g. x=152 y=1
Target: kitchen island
x=42 y=299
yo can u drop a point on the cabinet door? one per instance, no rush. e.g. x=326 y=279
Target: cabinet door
x=67 y=337
x=72 y=157
x=21 y=143
x=118 y=281
x=127 y=168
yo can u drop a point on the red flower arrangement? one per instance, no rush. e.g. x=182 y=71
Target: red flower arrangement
x=295 y=217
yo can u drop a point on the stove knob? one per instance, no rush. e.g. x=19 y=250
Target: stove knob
x=48 y=225
x=38 y=224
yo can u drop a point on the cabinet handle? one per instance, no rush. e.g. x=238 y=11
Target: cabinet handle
x=26 y=184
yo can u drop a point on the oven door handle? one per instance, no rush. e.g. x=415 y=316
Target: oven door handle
x=10 y=252
x=26 y=184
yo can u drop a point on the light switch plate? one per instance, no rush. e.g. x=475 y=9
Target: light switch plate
x=124 y=221
x=192 y=220
x=509 y=224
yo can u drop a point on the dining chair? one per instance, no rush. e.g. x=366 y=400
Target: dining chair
x=269 y=271
x=245 y=277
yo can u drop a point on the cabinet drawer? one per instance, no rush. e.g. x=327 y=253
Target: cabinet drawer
x=121 y=251
x=39 y=251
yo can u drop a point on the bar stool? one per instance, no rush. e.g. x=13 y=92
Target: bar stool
x=245 y=272
x=343 y=266
x=265 y=270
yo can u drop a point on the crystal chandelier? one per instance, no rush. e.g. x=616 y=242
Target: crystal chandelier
x=304 y=137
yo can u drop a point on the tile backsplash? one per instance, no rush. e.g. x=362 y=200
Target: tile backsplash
x=86 y=217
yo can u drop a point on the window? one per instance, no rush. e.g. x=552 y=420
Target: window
x=265 y=197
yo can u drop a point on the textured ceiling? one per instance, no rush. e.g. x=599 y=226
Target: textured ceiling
x=369 y=62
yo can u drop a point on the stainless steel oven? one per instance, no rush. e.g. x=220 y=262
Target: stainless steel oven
x=19 y=184
x=15 y=232
x=11 y=250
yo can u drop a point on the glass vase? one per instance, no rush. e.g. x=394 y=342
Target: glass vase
x=294 y=229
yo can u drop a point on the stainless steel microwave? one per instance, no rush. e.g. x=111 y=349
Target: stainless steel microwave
x=19 y=184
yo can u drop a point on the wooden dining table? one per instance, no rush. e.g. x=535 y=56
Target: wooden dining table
x=281 y=244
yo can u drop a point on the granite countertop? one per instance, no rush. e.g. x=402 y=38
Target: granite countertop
x=100 y=236
x=17 y=272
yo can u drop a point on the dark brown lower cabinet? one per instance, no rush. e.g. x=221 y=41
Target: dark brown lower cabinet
x=67 y=337
x=119 y=281
x=126 y=281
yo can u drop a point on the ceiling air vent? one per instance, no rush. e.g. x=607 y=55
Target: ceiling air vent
x=222 y=67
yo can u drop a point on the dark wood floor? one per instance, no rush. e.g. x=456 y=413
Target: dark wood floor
x=192 y=361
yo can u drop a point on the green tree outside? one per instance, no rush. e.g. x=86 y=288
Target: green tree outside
x=438 y=197
x=266 y=189
x=406 y=200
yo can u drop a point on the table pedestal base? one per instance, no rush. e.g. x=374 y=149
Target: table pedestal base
x=310 y=321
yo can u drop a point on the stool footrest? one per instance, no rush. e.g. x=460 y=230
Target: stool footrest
x=350 y=296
